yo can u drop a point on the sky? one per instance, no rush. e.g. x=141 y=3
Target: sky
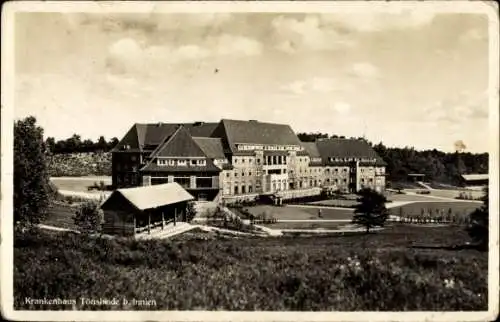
x=415 y=78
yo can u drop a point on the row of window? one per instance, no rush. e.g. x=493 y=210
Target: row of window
x=181 y=162
x=247 y=147
x=351 y=159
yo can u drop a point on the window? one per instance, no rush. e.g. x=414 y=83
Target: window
x=235 y=174
x=182 y=163
x=250 y=189
x=284 y=171
x=249 y=174
x=171 y=162
x=243 y=174
x=243 y=189
x=227 y=174
x=202 y=162
x=236 y=190
x=193 y=162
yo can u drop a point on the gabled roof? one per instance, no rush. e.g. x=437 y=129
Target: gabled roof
x=236 y=131
x=346 y=148
x=311 y=149
x=148 y=197
x=475 y=176
x=212 y=147
x=142 y=136
x=179 y=144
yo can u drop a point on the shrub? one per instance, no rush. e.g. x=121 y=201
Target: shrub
x=89 y=217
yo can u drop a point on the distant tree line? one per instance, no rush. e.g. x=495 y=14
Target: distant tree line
x=435 y=165
x=75 y=144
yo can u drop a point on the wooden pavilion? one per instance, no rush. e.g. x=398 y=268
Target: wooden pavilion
x=130 y=211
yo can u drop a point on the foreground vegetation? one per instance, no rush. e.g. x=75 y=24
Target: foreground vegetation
x=389 y=270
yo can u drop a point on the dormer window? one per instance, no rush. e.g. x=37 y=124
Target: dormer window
x=202 y=162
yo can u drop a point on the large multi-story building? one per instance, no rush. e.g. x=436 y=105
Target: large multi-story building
x=238 y=158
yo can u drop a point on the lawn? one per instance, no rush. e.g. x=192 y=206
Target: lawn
x=462 y=208
x=403 y=197
x=79 y=184
x=300 y=213
x=381 y=271
x=304 y=225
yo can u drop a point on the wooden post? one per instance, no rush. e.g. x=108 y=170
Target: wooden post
x=162 y=220
x=149 y=222
x=175 y=215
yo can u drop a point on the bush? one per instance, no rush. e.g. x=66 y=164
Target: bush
x=89 y=217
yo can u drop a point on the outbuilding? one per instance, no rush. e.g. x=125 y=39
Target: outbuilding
x=130 y=211
x=474 y=180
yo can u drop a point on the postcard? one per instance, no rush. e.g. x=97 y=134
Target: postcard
x=243 y=161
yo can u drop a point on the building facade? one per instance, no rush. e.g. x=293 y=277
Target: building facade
x=240 y=158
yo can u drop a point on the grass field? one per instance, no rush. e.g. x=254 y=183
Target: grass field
x=78 y=184
x=304 y=225
x=458 y=208
x=382 y=271
x=300 y=213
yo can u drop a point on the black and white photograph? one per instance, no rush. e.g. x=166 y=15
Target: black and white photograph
x=257 y=161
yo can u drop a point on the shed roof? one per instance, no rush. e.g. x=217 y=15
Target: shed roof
x=148 y=197
x=475 y=176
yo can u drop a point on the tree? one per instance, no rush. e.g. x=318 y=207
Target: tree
x=370 y=210
x=31 y=177
x=478 y=228
x=50 y=144
x=89 y=217
x=112 y=143
x=101 y=144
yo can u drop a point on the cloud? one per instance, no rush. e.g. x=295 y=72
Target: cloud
x=315 y=85
x=364 y=70
x=378 y=21
x=236 y=45
x=307 y=34
x=463 y=107
x=342 y=108
x=148 y=22
x=127 y=55
x=474 y=34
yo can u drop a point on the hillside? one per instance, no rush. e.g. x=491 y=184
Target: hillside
x=80 y=164
x=402 y=268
